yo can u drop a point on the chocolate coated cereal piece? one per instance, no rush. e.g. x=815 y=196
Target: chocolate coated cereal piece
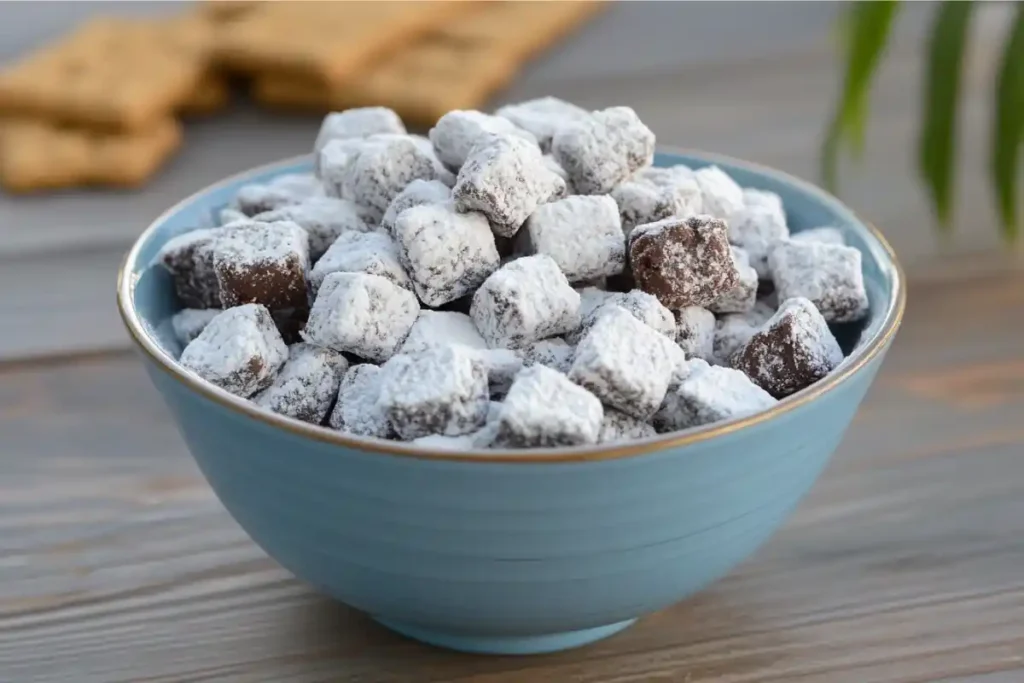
x=721 y=197
x=357 y=410
x=829 y=275
x=526 y=300
x=365 y=315
x=416 y=193
x=732 y=331
x=602 y=150
x=189 y=260
x=617 y=426
x=447 y=254
x=544 y=409
x=505 y=179
x=695 y=332
x=756 y=228
x=239 y=351
x=709 y=395
x=360 y=122
x=457 y=132
x=188 y=323
x=307 y=384
x=555 y=353
x=263 y=263
x=442 y=328
x=642 y=200
x=683 y=261
x=323 y=219
x=442 y=390
x=542 y=117
x=373 y=253
x=792 y=351
x=624 y=363
x=583 y=235
x=291 y=188
x=826 y=234
x=743 y=296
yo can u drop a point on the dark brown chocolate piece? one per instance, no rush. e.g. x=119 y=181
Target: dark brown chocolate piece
x=264 y=263
x=189 y=259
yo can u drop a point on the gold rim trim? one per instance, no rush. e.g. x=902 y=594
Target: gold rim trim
x=852 y=364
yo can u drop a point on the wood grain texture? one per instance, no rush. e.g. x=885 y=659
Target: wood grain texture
x=904 y=565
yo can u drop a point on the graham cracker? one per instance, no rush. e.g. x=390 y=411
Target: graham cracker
x=210 y=96
x=36 y=155
x=124 y=74
x=327 y=42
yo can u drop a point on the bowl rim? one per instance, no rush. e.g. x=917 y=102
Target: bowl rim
x=861 y=356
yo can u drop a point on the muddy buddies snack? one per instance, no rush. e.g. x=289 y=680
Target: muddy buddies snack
x=457 y=132
x=643 y=199
x=190 y=322
x=708 y=395
x=555 y=353
x=743 y=296
x=357 y=410
x=239 y=351
x=644 y=307
x=544 y=409
x=826 y=234
x=732 y=331
x=757 y=226
x=829 y=275
x=360 y=122
x=543 y=117
x=695 y=332
x=583 y=235
x=263 y=263
x=323 y=218
x=442 y=328
x=373 y=253
x=618 y=426
x=307 y=384
x=721 y=197
x=189 y=260
x=600 y=151
x=291 y=188
x=416 y=193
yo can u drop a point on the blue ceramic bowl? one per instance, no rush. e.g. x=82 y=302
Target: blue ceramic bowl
x=511 y=551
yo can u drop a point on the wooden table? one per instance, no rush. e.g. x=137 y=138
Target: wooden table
x=905 y=564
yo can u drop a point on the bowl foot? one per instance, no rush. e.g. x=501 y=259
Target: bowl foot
x=506 y=645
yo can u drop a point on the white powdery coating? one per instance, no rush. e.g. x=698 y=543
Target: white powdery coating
x=757 y=227
x=602 y=150
x=649 y=197
x=763 y=198
x=189 y=259
x=373 y=253
x=644 y=307
x=829 y=275
x=444 y=175
x=501 y=366
x=732 y=331
x=306 y=385
x=524 y=301
x=695 y=332
x=743 y=296
x=617 y=426
x=359 y=122
x=447 y=254
x=323 y=219
x=543 y=117
x=583 y=234
x=188 y=323
x=792 y=351
x=555 y=353
x=721 y=196
x=416 y=193
x=441 y=390
x=290 y=188
x=544 y=409
x=505 y=178
x=366 y=315
x=378 y=171
x=624 y=363
x=826 y=234
x=265 y=263
x=552 y=165
x=458 y=131
x=709 y=395
x=239 y=351
x=228 y=215
x=442 y=328
x=330 y=161
x=357 y=410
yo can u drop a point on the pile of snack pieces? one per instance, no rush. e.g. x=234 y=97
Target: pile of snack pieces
x=520 y=280
x=101 y=106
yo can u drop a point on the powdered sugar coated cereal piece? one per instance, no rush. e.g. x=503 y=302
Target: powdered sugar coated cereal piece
x=357 y=410
x=505 y=179
x=188 y=323
x=826 y=234
x=442 y=390
x=756 y=228
x=365 y=315
x=501 y=365
x=443 y=174
x=695 y=332
x=829 y=275
x=373 y=253
x=330 y=162
x=263 y=263
x=721 y=196
x=466 y=442
x=763 y=198
x=442 y=328
x=792 y=351
x=617 y=426
x=375 y=174
x=544 y=409
x=583 y=235
x=457 y=132
x=416 y=193
x=732 y=331
x=307 y=384
x=542 y=117
x=600 y=151
x=189 y=259
x=359 y=122
x=228 y=215
x=644 y=307
x=624 y=363
x=290 y=188
x=447 y=254
x=683 y=261
x=323 y=219
x=743 y=296
x=524 y=301
x=552 y=165
x=239 y=351
x=709 y=395
x=555 y=353
x=642 y=201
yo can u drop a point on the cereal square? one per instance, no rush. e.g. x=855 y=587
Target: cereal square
x=829 y=275
x=618 y=426
x=189 y=260
x=416 y=193
x=543 y=117
x=732 y=331
x=826 y=234
x=457 y=132
x=602 y=150
x=641 y=201
x=263 y=263
x=323 y=218
x=555 y=353
x=709 y=395
x=307 y=384
x=357 y=410
x=644 y=307
x=373 y=253
x=360 y=122
x=721 y=197
x=442 y=328
x=544 y=409
x=756 y=228
x=695 y=332
x=188 y=323
x=743 y=296
x=290 y=188
x=583 y=234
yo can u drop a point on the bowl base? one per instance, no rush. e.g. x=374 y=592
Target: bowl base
x=506 y=645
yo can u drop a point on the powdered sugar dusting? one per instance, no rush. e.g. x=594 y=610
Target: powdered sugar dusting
x=307 y=384
x=583 y=234
x=544 y=409
x=829 y=275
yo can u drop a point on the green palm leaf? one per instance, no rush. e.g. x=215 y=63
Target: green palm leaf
x=1008 y=127
x=937 y=145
